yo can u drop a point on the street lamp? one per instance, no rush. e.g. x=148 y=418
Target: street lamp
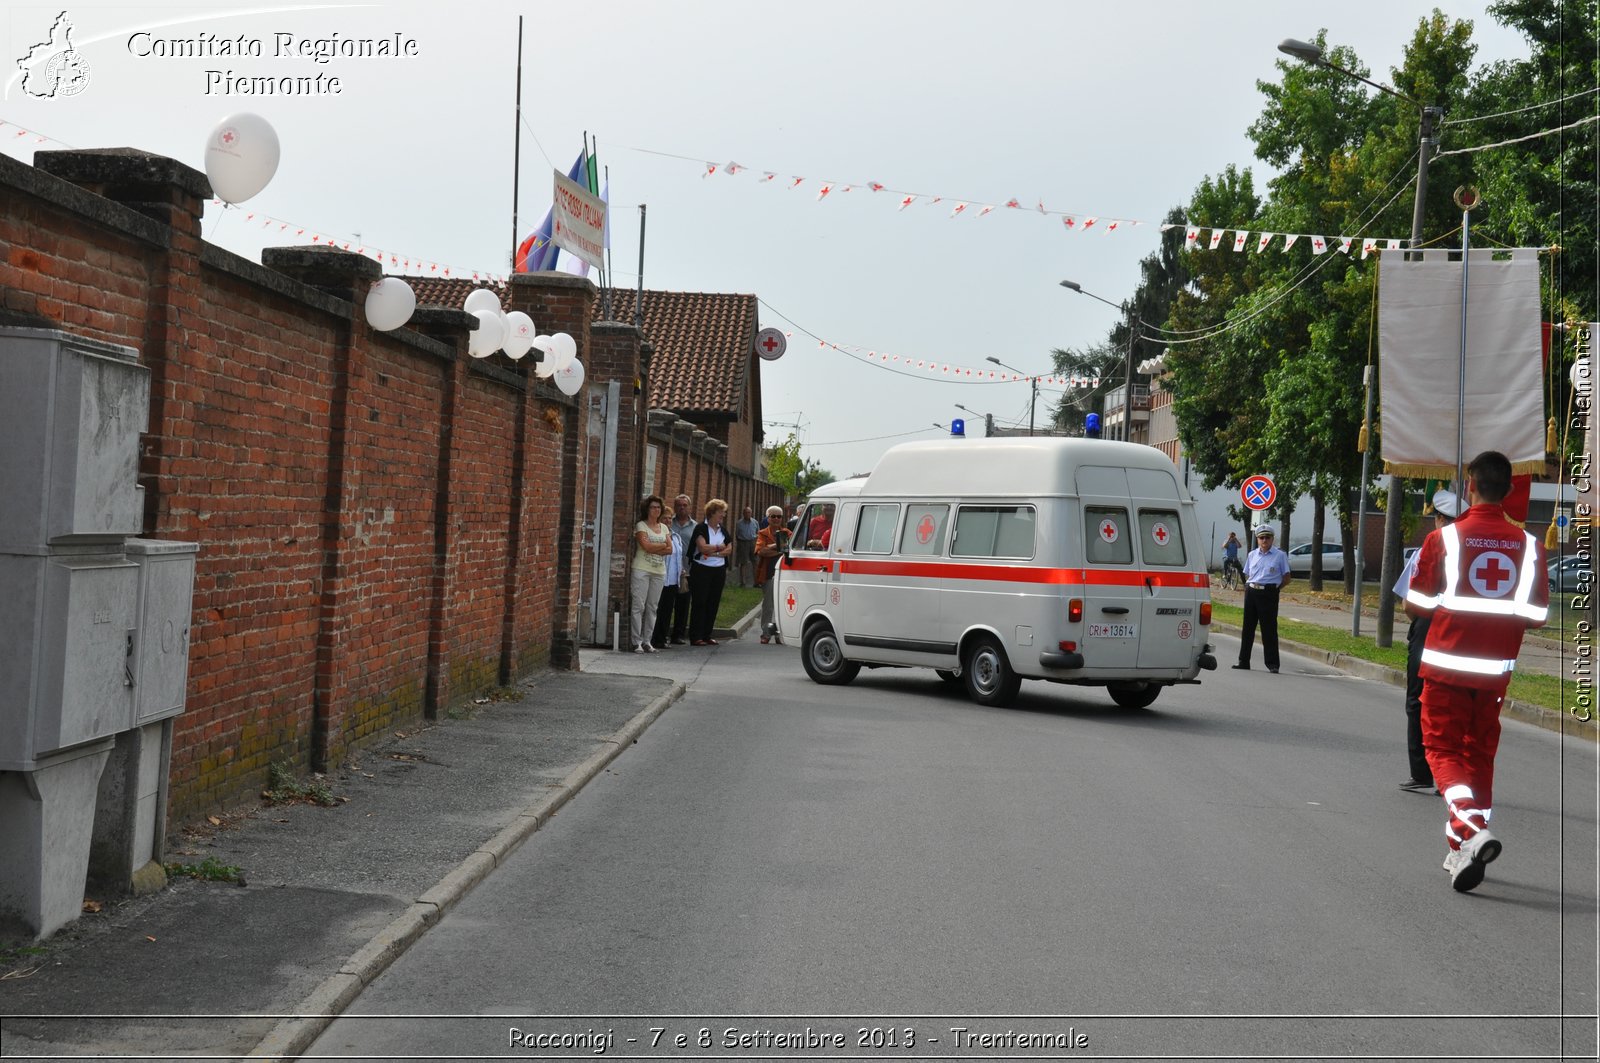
x=1127 y=382
x=1388 y=569
x=1033 y=380
x=988 y=419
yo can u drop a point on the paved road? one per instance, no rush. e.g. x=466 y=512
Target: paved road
x=1231 y=872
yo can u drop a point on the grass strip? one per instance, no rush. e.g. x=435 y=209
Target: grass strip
x=1547 y=691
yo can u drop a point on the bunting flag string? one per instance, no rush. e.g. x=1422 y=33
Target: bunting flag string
x=397 y=260
x=1196 y=237
x=13 y=133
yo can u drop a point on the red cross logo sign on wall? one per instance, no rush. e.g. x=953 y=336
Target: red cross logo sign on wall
x=1108 y=531
x=770 y=344
x=925 y=529
x=789 y=602
x=1159 y=533
x=1492 y=575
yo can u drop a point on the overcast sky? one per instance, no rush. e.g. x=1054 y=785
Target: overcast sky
x=1106 y=110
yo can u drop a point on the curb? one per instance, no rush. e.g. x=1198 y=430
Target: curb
x=293 y=1034
x=1538 y=715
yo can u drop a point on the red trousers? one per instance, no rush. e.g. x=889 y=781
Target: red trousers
x=1461 y=732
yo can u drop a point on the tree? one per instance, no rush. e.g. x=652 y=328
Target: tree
x=797 y=476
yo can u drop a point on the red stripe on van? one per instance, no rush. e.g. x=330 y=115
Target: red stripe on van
x=1012 y=573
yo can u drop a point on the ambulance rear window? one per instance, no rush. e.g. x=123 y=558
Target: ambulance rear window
x=1105 y=536
x=993 y=531
x=1160 y=537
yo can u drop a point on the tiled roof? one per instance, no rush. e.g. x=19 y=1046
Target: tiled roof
x=703 y=343
x=449 y=291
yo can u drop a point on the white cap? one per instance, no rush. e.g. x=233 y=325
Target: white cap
x=1265 y=529
x=1447 y=504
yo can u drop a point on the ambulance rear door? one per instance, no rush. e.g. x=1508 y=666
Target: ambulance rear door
x=1113 y=603
x=1170 y=633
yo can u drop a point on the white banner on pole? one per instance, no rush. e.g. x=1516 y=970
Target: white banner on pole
x=1419 y=344
x=578 y=221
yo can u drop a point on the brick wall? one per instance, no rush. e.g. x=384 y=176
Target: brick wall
x=385 y=524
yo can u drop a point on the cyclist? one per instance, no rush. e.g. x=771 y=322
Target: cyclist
x=1232 y=571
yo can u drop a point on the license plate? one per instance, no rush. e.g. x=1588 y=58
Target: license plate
x=1113 y=631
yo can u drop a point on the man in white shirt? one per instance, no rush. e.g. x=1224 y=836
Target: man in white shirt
x=1266 y=570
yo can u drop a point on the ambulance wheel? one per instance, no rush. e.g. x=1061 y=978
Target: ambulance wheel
x=951 y=678
x=1134 y=695
x=823 y=657
x=989 y=678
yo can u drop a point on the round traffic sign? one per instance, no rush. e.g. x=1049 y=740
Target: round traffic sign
x=1258 y=492
x=770 y=343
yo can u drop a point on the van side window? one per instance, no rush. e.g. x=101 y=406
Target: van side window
x=923 y=535
x=1105 y=536
x=1160 y=537
x=993 y=531
x=875 y=532
x=815 y=530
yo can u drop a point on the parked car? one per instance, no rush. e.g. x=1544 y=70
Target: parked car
x=1567 y=573
x=1332 y=560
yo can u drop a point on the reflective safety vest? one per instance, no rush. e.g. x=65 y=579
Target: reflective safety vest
x=1484 y=579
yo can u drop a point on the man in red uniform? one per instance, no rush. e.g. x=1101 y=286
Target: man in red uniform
x=1483 y=580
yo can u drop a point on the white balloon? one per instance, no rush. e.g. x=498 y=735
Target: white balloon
x=481 y=299
x=570 y=379
x=547 y=366
x=563 y=349
x=519 y=340
x=488 y=336
x=241 y=156
x=390 y=303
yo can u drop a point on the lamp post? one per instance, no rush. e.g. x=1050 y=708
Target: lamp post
x=1032 y=401
x=988 y=419
x=1127 y=381
x=1388 y=569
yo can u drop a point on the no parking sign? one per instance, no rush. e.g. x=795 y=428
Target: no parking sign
x=1258 y=492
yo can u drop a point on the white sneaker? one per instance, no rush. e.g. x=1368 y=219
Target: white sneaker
x=1475 y=854
x=646 y=647
x=639 y=648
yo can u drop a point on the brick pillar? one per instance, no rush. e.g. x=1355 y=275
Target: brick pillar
x=346 y=277
x=557 y=302
x=174 y=195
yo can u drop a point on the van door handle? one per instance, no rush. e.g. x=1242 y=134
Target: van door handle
x=1118 y=609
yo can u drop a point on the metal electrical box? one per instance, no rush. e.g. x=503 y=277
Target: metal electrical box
x=66 y=628
x=71 y=412
x=161 y=642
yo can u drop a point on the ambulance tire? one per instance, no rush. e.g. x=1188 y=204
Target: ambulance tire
x=823 y=657
x=1134 y=696
x=988 y=674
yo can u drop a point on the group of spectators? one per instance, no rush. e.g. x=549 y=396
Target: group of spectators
x=680 y=566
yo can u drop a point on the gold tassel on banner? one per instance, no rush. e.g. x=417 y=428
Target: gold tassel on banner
x=1361 y=439
x=1551 y=536
x=1550 y=436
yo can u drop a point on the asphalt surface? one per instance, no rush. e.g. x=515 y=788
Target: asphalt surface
x=331 y=896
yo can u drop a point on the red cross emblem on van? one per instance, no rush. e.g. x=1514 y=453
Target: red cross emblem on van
x=925 y=529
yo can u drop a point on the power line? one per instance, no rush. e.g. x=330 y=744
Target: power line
x=1519 y=140
x=1520 y=110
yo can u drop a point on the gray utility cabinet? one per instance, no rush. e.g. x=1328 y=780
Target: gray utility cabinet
x=94 y=625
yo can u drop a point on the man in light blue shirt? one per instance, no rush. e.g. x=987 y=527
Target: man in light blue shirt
x=1266 y=570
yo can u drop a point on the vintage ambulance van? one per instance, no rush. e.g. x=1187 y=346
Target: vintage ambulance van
x=998 y=560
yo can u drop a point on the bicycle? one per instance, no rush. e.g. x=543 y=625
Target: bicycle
x=1232 y=575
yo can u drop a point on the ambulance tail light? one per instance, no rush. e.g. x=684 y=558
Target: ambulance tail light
x=1075 y=611
x=1068 y=647
x=1205 y=613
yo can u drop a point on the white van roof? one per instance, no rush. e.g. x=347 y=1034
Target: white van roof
x=1006 y=466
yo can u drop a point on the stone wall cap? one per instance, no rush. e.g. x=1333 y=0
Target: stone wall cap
x=552 y=278
x=86 y=165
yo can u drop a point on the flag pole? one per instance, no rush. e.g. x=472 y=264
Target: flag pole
x=605 y=274
x=1461 y=372
x=516 y=150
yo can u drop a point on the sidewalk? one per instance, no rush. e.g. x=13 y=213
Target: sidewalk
x=331 y=895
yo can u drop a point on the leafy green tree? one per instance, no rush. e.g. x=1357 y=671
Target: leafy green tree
x=796 y=475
